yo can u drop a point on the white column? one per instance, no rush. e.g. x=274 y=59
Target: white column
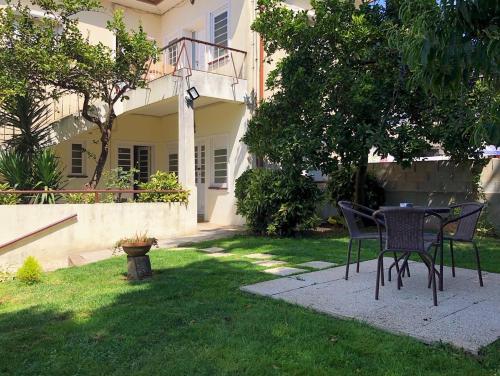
x=186 y=142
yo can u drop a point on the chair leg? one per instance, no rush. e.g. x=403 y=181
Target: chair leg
x=433 y=280
x=382 y=271
x=441 y=267
x=479 y=273
x=408 y=270
x=394 y=264
x=380 y=274
x=452 y=259
x=359 y=252
x=348 y=260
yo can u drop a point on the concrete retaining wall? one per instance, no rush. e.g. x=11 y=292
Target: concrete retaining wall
x=439 y=183
x=97 y=227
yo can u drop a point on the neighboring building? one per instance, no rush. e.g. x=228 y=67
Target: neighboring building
x=209 y=45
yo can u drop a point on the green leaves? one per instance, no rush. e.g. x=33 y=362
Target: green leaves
x=277 y=202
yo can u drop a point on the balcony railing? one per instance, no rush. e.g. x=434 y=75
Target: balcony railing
x=198 y=55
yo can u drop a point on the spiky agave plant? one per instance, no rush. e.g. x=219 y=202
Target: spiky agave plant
x=47 y=175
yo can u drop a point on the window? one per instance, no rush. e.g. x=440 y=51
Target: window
x=220 y=166
x=220 y=37
x=125 y=158
x=172 y=52
x=173 y=163
x=77 y=159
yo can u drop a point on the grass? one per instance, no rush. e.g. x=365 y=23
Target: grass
x=192 y=319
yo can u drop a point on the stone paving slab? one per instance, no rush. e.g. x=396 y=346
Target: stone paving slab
x=317 y=264
x=269 y=263
x=219 y=254
x=468 y=316
x=212 y=250
x=259 y=256
x=284 y=271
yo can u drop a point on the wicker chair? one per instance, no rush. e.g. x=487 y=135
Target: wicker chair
x=403 y=232
x=467 y=219
x=353 y=213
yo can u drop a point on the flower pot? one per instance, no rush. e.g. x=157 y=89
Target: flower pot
x=137 y=249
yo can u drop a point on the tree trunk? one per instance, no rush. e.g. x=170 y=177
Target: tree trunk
x=359 y=182
x=101 y=162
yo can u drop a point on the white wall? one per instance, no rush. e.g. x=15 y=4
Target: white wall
x=97 y=227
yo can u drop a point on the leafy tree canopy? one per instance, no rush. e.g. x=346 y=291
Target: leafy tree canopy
x=449 y=43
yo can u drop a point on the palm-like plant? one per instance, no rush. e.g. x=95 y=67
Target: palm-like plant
x=47 y=175
x=15 y=169
x=28 y=117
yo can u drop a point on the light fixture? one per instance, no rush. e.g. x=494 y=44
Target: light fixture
x=193 y=93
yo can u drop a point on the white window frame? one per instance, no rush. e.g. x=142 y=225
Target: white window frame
x=214 y=61
x=83 y=173
x=219 y=142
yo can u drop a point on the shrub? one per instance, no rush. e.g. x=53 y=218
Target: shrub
x=8 y=199
x=15 y=169
x=341 y=186
x=163 y=181
x=118 y=178
x=274 y=202
x=80 y=198
x=30 y=272
x=47 y=175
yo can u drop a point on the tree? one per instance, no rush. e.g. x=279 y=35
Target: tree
x=63 y=61
x=449 y=43
x=339 y=91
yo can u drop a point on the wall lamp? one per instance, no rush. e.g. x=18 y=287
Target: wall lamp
x=193 y=93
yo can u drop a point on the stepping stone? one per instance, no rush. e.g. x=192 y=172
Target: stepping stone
x=259 y=256
x=220 y=254
x=213 y=250
x=318 y=264
x=269 y=263
x=284 y=271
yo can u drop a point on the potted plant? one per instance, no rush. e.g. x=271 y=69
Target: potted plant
x=139 y=245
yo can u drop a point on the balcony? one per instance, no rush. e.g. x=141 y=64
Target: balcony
x=218 y=72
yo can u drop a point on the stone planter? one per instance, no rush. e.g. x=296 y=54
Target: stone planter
x=137 y=249
x=138 y=263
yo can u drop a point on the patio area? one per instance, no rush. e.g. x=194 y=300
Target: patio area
x=467 y=315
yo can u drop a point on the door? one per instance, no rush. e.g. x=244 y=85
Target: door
x=142 y=162
x=200 y=151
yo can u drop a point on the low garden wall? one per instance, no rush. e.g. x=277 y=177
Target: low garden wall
x=97 y=227
x=438 y=183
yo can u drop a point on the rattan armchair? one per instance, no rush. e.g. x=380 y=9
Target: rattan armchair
x=403 y=231
x=353 y=214
x=466 y=221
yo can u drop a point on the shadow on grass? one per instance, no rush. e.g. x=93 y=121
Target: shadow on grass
x=192 y=319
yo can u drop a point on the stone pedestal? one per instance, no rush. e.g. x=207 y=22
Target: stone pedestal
x=139 y=267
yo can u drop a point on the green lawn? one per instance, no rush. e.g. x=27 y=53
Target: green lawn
x=192 y=319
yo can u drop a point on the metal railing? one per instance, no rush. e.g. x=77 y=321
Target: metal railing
x=194 y=54
x=96 y=193
x=37 y=231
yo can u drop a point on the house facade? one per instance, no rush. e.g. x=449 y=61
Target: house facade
x=207 y=45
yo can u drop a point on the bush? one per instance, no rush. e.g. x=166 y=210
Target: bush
x=80 y=198
x=15 y=169
x=30 y=272
x=274 y=202
x=8 y=199
x=163 y=181
x=341 y=186
x=47 y=175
